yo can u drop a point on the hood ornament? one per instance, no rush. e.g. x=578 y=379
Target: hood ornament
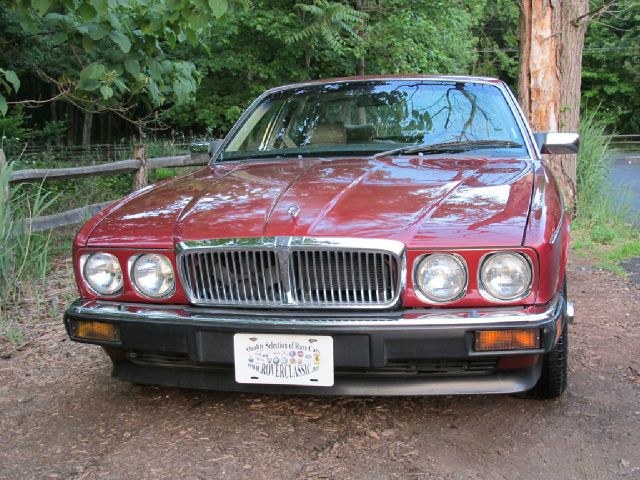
x=293 y=211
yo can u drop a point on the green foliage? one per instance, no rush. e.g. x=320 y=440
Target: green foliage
x=498 y=41
x=433 y=36
x=281 y=41
x=603 y=227
x=331 y=24
x=10 y=83
x=105 y=53
x=611 y=67
x=13 y=132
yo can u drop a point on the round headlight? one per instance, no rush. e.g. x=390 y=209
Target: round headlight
x=441 y=277
x=102 y=273
x=152 y=275
x=506 y=276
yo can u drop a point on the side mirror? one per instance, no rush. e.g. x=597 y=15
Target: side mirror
x=214 y=147
x=557 y=143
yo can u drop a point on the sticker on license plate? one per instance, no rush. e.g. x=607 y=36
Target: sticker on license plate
x=283 y=359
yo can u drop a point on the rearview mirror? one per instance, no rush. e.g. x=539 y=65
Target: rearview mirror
x=214 y=147
x=557 y=143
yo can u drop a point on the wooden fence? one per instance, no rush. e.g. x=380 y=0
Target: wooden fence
x=139 y=165
x=626 y=142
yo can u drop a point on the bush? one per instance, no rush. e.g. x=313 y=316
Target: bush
x=603 y=227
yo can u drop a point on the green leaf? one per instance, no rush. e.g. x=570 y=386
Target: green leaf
x=218 y=7
x=97 y=31
x=132 y=66
x=198 y=21
x=42 y=6
x=59 y=38
x=87 y=12
x=90 y=76
x=92 y=71
x=106 y=92
x=13 y=79
x=3 y=106
x=154 y=68
x=154 y=92
x=101 y=6
x=88 y=44
x=121 y=40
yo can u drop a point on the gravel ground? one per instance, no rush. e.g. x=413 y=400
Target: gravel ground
x=62 y=416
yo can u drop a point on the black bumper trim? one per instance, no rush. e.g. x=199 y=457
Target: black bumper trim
x=508 y=381
x=205 y=339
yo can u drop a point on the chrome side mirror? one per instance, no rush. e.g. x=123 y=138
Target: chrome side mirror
x=557 y=143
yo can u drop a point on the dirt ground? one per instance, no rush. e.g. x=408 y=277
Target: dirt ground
x=63 y=416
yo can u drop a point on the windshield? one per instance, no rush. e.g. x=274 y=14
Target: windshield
x=368 y=117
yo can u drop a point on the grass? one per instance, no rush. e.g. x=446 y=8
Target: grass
x=605 y=228
x=24 y=254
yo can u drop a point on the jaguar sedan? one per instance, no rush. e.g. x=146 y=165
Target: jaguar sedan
x=389 y=235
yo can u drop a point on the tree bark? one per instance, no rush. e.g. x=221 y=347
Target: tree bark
x=551 y=35
x=361 y=5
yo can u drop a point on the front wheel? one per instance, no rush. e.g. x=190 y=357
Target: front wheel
x=553 y=380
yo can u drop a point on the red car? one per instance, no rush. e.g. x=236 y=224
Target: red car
x=391 y=235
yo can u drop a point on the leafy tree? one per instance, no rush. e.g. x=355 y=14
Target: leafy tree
x=611 y=66
x=497 y=34
x=280 y=41
x=103 y=54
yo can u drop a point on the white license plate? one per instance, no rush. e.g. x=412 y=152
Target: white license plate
x=283 y=359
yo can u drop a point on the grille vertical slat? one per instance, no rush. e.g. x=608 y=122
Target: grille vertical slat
x=313 y=278
x=384 y=281
x=256 y=278
x=346 y=277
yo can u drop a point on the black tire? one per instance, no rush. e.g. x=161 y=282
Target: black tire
x=553 y=380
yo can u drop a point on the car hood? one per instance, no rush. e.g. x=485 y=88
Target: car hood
x=421 y=201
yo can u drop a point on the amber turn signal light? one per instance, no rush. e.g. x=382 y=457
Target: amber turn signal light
x=96 y=330
x=498 y=340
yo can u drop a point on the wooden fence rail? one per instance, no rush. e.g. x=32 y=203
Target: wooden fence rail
x=113 y=168
x=139 y=166
x=626 y=142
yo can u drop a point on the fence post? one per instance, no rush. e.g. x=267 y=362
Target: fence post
x=140 y=177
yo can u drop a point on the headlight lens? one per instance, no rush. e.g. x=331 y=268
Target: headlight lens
x=102 y=273
x=441 y=277
x=152 y=274
x=506 y=276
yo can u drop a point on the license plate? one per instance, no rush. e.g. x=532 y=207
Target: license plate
x=283 y=359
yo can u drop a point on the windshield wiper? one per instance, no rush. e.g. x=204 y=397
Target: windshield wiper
x=461 y=146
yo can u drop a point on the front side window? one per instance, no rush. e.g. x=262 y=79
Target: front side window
x=368 y=117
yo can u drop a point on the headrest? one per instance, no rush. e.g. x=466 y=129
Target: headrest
x=361 y=133
x=328 y=134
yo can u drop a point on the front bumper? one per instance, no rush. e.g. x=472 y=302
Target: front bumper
x=409 y=352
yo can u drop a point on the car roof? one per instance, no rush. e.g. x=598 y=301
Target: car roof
x=364 y=78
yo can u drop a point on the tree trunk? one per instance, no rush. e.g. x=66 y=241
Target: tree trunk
x=86 y=128
x=361 y=6
x=54 y=105
x=71 y=115
x=551 y=35
x=360 y=67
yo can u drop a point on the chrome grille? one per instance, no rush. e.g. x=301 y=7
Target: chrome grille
x=343 y=277
x=292 y=272
x=233 y=277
